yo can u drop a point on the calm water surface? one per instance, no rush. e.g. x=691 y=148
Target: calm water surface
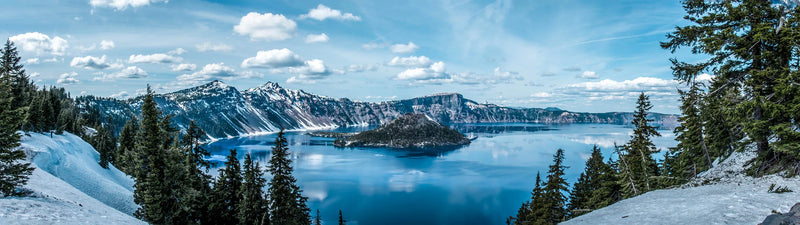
x=482 y=183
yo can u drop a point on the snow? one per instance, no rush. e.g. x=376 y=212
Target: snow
x=728 y=197
x=69 y=187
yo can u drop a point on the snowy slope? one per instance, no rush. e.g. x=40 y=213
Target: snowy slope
x=74 y=161
x=57 y=202
x=730 y=198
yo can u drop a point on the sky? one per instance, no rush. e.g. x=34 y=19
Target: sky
x=585 y=56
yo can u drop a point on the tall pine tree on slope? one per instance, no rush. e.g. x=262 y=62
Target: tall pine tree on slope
x=691 y=154
x=19 y=82
x=638 y=165
x=195 y=189
x=554 y=189
x=127 y=156
x=227 y=192
x=287 y=205
x=13 y=172
x=253 y=203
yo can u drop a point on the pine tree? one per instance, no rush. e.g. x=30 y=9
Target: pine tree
x=554 y=188
x=756 y=54
x=589 y=184
x=103 y=141
x=13 y=171
x=227 y=192
x=253 y=202
x=127 y=154
x=692 y=154
x=19 y=82
x=287 y=205
x=194 y=186
x=638 y=163
x=523 y=213
x=341 y=219
x=610 y=190
x=317 y=219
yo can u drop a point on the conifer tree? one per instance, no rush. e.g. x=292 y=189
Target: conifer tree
x=287 y=205
x=13 y=171
x=589 y=183
x=639 y=165
x=253 y=202
x=610 y=190
x=554 y=188
x=195 y=187
x=19 y=82
x=317 y=219
x=691 y=154
x=103 y=141
x=227 y=192
x=127 y=154
x=341 y=219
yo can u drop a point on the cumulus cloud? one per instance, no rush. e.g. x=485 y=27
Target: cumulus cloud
x=130 y=72
x=122 y=4
x=435 y=71
x=267 y=27
x=106 y=44
x=184 y=67
x=541 y=95
x=588 y=75
x=213 y=47
x=177 y=51
x=275 y=58
x=615 y=90
x=91 y=62
x=68 y=78
x=317 y=38
x=704 y=77
x=411 y=61
x=120 y=95
x=154 y=58
x=32 y=61
x=323 y=12
x=40 y=43
x=312 y=71
x=404 y=48
x=436 y=74
x=210 y=72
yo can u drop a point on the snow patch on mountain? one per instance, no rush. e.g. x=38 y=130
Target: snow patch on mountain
x=722 y=195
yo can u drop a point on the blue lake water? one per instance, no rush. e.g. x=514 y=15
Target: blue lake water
x=482 y=183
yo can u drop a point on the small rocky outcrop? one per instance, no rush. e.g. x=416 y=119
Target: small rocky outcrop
x=407 y=131
x=791 y=217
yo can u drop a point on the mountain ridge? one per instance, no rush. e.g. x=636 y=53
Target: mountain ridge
x=224 y=111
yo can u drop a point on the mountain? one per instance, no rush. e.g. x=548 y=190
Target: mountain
x=409 y=130
x=223 y=111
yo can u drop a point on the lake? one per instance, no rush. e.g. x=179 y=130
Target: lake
x=482 y=183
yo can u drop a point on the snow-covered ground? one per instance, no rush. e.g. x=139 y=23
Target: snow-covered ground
x=729 y=197
x=69 y=186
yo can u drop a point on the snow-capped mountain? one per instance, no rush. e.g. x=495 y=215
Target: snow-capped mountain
x=223 y=111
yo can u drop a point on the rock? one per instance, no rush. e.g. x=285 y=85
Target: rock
x=792 y=217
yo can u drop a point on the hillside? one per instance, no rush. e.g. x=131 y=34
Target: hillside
x=409 y=130
x=223 y=111
x=730 y=197
x=69 y=187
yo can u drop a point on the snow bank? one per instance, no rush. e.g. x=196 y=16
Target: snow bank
x=728 y=197
x=74 y=161
x=57 y=202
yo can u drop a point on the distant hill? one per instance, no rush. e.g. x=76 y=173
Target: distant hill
x=223 y=111
x=409 y=130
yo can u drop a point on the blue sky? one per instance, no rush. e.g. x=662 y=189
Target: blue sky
x=592 y=56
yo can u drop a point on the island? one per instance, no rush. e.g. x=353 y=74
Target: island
x=408 y=131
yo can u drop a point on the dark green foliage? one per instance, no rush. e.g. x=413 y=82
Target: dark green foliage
x=754 y=56
x=127 y=155
x=533 y=211
x=253 y=202
x=13 y=171
x=610 y=190
x=554 y=188
x=691 y=154
x=639 y=169
x=341 y=219
x=317 y=219
x=409 y=130
x=19 y=82
x=227 y=192
x=195 y=189
x=105 y=144
x=778 y=189
x=287 y=204
x=589 y=183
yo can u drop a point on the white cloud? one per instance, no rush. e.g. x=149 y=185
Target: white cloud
x=211 y=72
x=372 y=45
x=313 y=70
x=177 y=51
x=541 y=95
x=323 y=12
x=32 y=61
x=404 y=48
x=40 y=43
x=91 y=62
x=275 y=58
x=411 y=61
x=267 y=27
x=317 y=38
x=131 y=72
x=215 y=47
x=120 y=95
x=154 y=58
x=184 y=67
x=122 y=4
x=68 y=78
x=435 y=71
x=636 y=85
x=704 y=77
x=357 y=68
x=106 y=44
x=589 y=75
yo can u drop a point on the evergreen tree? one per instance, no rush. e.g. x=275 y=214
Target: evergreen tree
x=19 y=82
x=590 y=183
x=317 y=219
x=103 y=141
x=227 y=192
x=195 y=183
x=253 y=202
x=523 y=213
x=554 y=188
x=639 y=165
x=127 y=154
x=13 y=171
x=692 y=154
x=609 y=190
x=752 y=47
x=341 y=219
x=287 y=205
x=535 y=210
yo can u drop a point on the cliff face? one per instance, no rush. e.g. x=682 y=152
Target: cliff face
x=223 y=111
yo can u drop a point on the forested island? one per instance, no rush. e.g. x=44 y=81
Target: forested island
x=408 y=131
